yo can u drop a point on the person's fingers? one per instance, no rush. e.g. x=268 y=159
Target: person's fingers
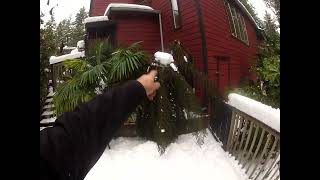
x=150 y=98
x=152 y=95
x=153 y=73
x=156 y=85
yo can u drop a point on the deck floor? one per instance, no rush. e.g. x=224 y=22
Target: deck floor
x=135 y=158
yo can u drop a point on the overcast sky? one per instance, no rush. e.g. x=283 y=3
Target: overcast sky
x=66 y=8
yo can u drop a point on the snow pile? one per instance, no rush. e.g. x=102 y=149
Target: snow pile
x=68 y=48
x=57 y=59
x=135 y=158
x=95 y=19
x=75 y=51
x=80 y=44
x=262 y=112
x=126 y=6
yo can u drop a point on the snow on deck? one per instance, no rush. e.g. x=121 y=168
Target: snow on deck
x=96 y=19
x=261 y=112
x=135 y=158
x=57 y=59
x=126 y=6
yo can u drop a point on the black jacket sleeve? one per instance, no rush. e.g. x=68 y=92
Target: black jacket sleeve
x=70 y=148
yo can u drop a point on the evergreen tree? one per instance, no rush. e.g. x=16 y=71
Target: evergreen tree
x=50 y=35
x=176 y=109
x=252 y=11
x=47 y=48
x=267 y=88
x=274 y=5
x=78 y=31
x=271 y=45
x=64 y=32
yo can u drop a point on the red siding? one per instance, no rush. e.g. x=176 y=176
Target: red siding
x=220 y=42
x=133 y=28
x=189 y=34
x=99 y=6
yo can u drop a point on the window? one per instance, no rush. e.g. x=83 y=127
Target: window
x=237 y=23
x=175 y=14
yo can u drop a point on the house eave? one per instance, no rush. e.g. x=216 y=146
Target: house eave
x=129 y=8
x=244 y=9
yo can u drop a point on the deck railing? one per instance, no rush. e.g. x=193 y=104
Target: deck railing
x=255 y=145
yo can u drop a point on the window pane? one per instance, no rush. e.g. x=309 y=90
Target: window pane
x=228 y=10
x=245 y=31
x=240 y=26
x=235 y=20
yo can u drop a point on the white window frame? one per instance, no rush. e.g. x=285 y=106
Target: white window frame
x=238 y=23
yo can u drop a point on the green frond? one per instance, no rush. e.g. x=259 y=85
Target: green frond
x=126 y=63
x=78 y=65
x=70 y=94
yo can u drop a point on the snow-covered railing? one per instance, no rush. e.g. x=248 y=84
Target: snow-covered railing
x=254 y=137
x=265 y=114
x=250 y=131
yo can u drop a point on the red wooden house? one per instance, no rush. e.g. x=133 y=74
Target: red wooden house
x=221 y=35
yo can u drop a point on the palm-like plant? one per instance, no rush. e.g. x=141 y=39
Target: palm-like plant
x=103 y=67
x=127 y=63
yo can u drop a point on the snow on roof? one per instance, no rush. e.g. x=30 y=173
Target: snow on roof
x=57 y=59
x=96 y=19
x=265 y=114
x=126 y=6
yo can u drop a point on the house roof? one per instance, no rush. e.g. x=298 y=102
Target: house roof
x=95 y=19
x=128 y=7
x=244 y=9
x=148 y=9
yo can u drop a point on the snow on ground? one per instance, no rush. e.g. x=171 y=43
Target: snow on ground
x=135 y=158
x=96 y=19
x=262 y=112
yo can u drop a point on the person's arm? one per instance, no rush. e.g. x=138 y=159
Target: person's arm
x=70 y=148
x=77 y=139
